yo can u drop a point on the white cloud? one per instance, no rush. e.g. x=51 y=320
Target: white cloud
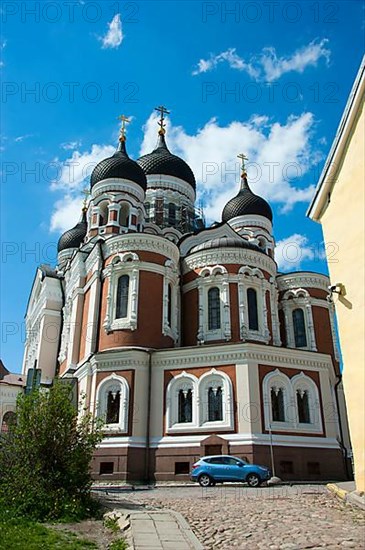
x=73 y=171
x=268 y=66
x=70 y=145
x=291 y=252
x=274 y=67
x=114 y=37
x=66 y=214
x=19 y=139
x=278 y=154
x=231 y=57
x=73 y=174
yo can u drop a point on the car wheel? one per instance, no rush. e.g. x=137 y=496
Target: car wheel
x=205 y=480
x=253 y=480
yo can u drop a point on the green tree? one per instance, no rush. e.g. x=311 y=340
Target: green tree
x=45 y=457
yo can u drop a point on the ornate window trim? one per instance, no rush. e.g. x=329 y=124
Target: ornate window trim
x=116 y=383
x=216 y=276
x=298 y=299
x=290 y=386
x=122 y=264
x=199 y=387
x=171 y=277
x=253 y=278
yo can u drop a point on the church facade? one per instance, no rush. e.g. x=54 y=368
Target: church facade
x=185 y=339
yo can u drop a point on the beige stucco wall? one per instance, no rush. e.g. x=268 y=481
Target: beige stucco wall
x=343 y=224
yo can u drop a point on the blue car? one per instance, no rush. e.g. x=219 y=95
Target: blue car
x=210 y=470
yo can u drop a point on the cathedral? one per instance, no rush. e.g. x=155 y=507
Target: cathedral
x=185 y=339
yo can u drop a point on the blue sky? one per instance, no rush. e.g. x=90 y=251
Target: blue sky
x=267 y=79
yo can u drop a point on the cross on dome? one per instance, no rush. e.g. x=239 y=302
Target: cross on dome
x=124 y=120
x=162 y=110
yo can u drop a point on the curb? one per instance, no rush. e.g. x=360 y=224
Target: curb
x=187 y=530
x=353 y=498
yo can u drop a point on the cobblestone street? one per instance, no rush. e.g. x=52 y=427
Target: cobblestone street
x=267 y=518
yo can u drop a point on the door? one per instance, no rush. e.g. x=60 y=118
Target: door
x=213 y=450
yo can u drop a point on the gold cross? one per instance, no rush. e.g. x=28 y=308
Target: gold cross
x=243 y=157
x=162 y=110
x=86 y=193
x=124 y=120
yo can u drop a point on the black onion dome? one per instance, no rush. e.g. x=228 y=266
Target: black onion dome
x=119 y=165
x=246 y=203
x=75 y=236
x=162 y=161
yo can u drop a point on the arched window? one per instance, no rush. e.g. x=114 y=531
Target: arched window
x=215 y=404
x=122 y=297
x=303 y=407
x=277 y=404
x=124 y=215
x=172 y=213
x=300 y=336
x=148 y=209
x=103 y=213
x=253 y=320
x=113 y=407
x=9 y=419
x=185 y=413
x=169 y=304
x=214 y=309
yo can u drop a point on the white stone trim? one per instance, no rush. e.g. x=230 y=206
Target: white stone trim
x=141 y=242
x=171 y=183
x=299 y=298
x=117 y=383
x=252 y=278
x=199 y=387
x=170 y=277
x=122 y=264
x=118 y=185
x=251 y=221
x=279 y=379
x=211 y=277
x=304 y=279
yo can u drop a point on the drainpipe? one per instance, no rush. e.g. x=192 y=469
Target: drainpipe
x=342 y=445
x=148 y=428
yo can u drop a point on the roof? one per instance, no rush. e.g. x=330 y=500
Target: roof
x=162 y=161
x=327 y=178
x=246 y=203
x=75 y=236
x=12 y=379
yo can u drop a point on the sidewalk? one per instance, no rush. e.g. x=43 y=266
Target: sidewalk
x=154 y=530
x=346 y=491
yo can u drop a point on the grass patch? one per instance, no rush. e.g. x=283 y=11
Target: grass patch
x=20 y=534
x=119 y=544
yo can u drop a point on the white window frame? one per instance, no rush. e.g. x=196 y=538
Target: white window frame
x=298 y=299
x=183 y=381
x=300 y=381
x=253 y=278
x=116 y=383
x=199 y=387
x=211 y=277
x=171 y=277
x=122 y=264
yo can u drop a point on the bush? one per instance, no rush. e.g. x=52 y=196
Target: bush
x=45 y=457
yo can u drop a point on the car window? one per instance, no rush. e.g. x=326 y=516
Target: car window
x=230 y=461
x=217 y=460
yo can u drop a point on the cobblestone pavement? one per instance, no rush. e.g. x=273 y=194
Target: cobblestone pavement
x=229 y=517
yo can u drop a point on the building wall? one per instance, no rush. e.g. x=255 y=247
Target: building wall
x=343 y=228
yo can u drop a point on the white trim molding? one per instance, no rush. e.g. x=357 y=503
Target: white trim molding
x=299 y=298
x=114 y=384
x=211 y=277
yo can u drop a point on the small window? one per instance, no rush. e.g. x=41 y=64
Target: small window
x=253 y=320
x=169 y=304
x=215 y=404
x=303 y=407
x=185 y=406
x=113 y=407
x=182 y=468
x=122 y=297
x=277 y=404
x=314 y=468
x=106 y=468
x=214 y=309
x=286 y=467
x=300 y=336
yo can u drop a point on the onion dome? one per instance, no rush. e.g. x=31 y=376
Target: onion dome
x=225 y=242
x=119 y=165
x=162 y=161
x=246 y=203
x=75 y=236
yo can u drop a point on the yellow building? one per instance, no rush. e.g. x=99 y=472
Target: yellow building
x=338 y=205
